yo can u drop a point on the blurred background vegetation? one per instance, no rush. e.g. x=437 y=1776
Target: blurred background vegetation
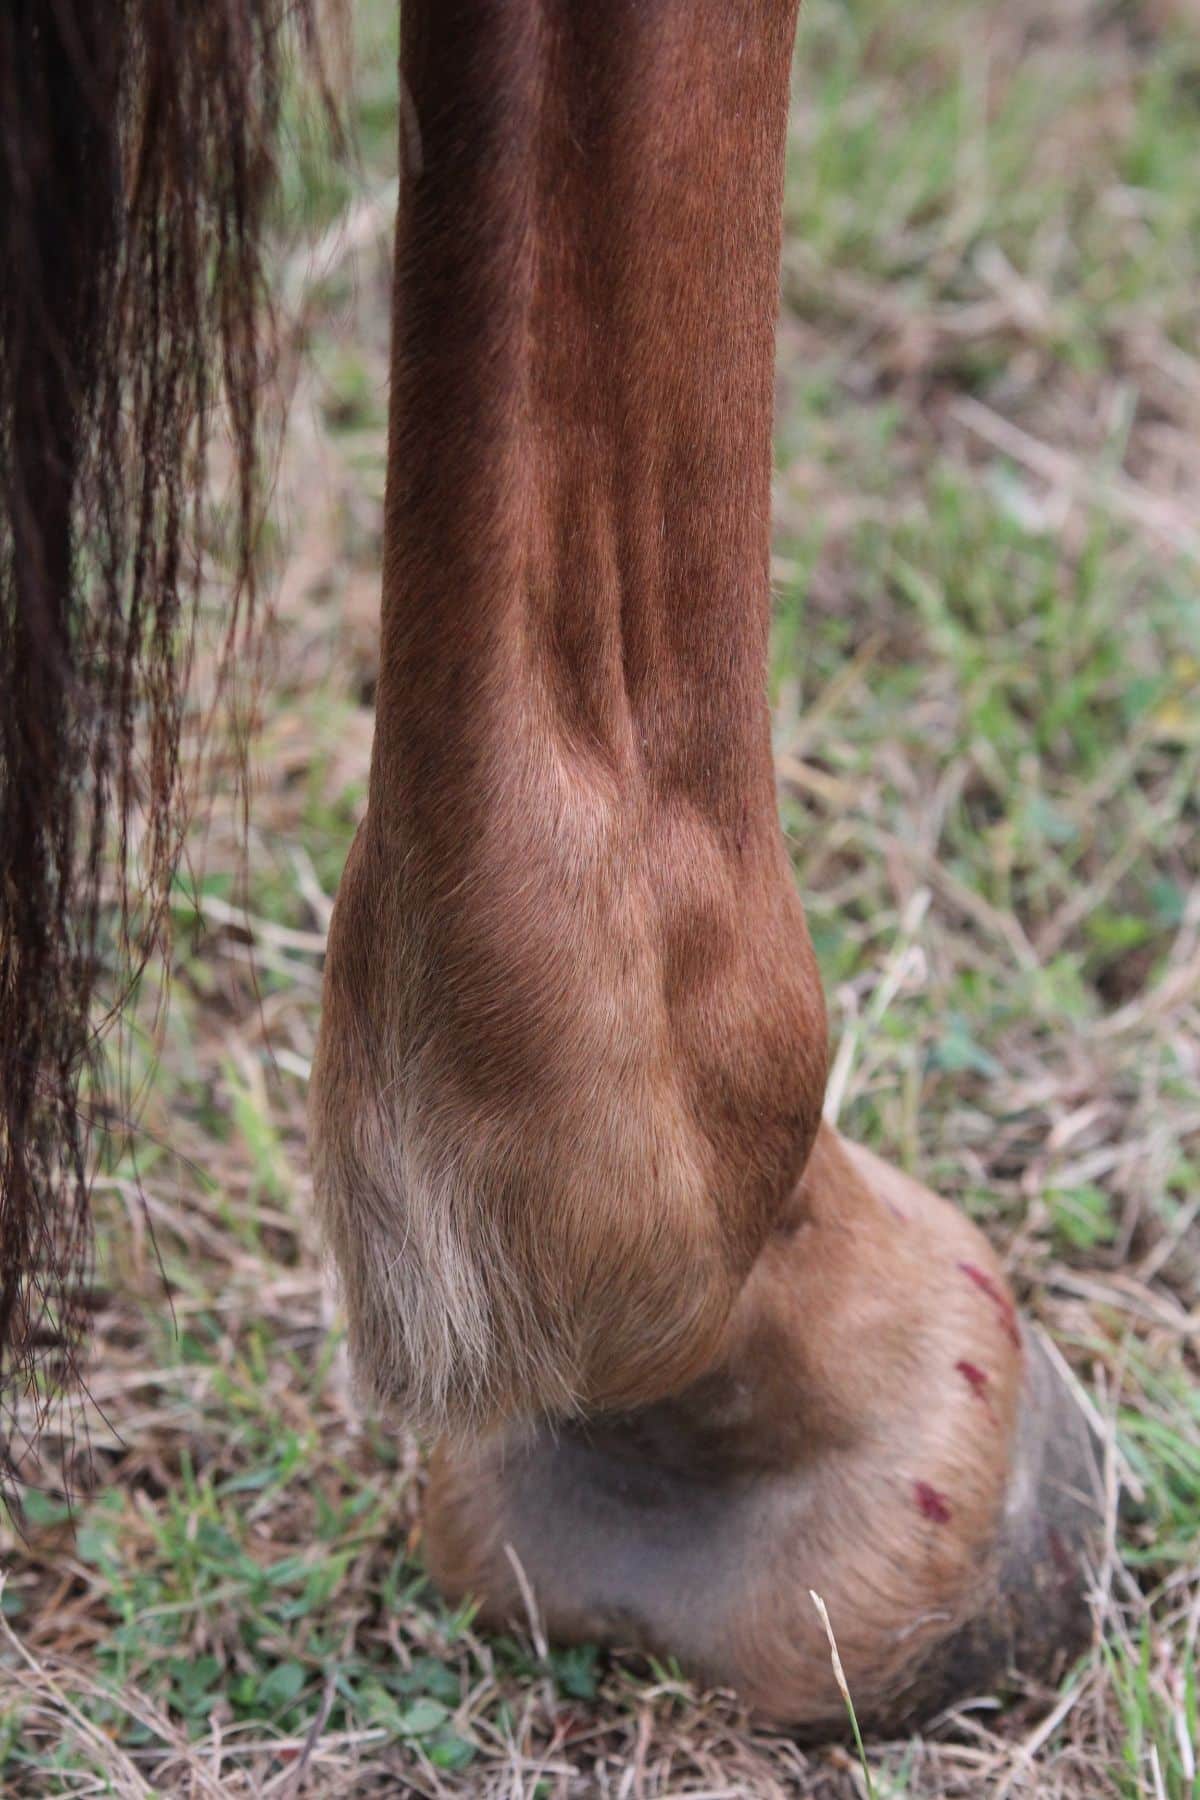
x=986 y=683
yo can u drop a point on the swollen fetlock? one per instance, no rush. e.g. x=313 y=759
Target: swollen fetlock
x=879 y=1429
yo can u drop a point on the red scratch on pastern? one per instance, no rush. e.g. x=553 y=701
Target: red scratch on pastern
x=977 y=1380
x=933 y=1504
x=999 y=1299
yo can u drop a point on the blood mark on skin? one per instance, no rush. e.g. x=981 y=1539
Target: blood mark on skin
x=977 y=1380
x=999 y=1299
x=933 y=1504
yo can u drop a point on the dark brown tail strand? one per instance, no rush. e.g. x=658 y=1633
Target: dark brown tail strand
x=135 y=165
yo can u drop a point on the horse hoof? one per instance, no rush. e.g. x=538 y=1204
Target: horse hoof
x=881 y=1430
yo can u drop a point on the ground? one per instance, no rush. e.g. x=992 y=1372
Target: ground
x=986 y=682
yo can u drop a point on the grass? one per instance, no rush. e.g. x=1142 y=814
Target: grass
x=986 y=683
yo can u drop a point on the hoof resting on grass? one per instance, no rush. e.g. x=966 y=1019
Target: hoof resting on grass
x=881 y=1429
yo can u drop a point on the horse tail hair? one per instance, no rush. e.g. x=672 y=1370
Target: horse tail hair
x=135 y=182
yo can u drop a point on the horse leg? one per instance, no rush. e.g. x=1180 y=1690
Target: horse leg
x=691 y=1354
